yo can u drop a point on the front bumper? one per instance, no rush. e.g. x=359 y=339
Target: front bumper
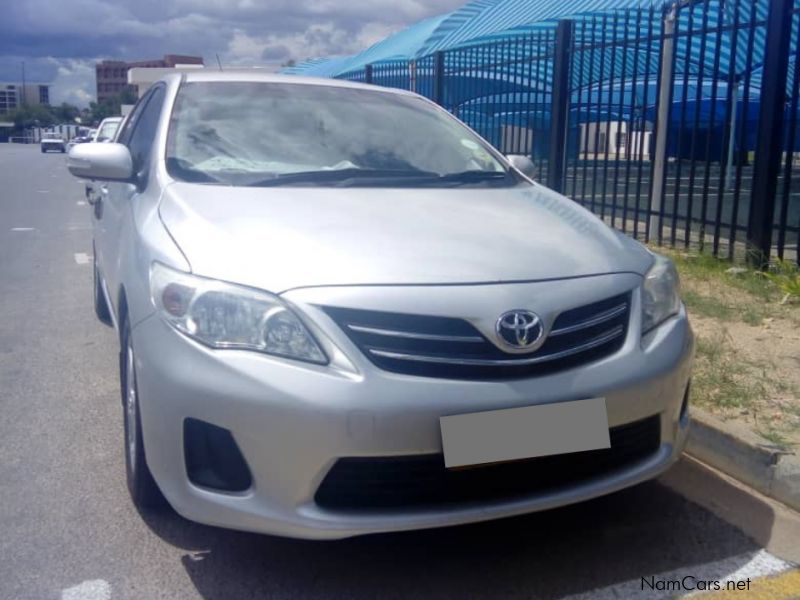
x=293 y=421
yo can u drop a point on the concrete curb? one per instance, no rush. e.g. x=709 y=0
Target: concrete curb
x=737 y=451
x=770 y=523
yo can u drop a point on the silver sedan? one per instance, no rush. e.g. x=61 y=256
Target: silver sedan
x=340 y=311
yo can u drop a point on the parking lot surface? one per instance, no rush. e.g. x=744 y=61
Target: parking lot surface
x=68 y=529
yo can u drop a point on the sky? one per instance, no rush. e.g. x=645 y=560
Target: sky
x=61 y=40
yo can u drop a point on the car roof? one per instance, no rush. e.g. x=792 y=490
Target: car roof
x=257 y=75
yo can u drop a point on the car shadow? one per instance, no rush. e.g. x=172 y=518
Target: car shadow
x=635 y=533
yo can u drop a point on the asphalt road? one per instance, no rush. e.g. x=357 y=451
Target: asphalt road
x=68 y=529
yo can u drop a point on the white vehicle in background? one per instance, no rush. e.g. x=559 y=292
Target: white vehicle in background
x=108 y=129
x=53 y=141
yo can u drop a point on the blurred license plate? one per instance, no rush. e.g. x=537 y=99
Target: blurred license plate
x=517 y=433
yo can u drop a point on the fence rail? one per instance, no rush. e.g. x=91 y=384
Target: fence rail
x=676 y=124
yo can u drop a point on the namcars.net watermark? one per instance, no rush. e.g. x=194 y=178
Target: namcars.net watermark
x=690 y=583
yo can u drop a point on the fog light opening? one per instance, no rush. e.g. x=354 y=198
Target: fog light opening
x=684 y=417
x=213 y=459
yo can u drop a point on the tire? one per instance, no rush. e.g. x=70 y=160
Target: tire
x=142 y=487
x=43 y=150
x=100 y=305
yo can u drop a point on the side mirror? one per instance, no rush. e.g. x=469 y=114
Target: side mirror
x=523 y=164
x=104 y=162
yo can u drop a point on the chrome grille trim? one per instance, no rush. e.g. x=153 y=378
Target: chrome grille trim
x=416 y=336
x=454 y=348
x=596 y=320
x=478 y=362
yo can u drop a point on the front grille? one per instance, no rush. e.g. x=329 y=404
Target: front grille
x=407 y=481
x=453 y=348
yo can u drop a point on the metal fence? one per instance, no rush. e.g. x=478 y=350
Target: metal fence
x=677 y=124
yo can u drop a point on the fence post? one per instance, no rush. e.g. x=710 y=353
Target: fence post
x=769 y=136
x=438 y=77
x=662 y=123
x=368 y=73
x=559 y=110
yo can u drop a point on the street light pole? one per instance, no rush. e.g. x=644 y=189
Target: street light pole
x=22 y=92
x=662 y=123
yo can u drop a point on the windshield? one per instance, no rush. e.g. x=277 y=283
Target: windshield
x=258 y=134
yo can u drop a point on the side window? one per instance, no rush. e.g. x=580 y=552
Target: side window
x=133 y=118
x=143 y=131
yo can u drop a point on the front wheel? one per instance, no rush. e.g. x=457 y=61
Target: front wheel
x=141 y=485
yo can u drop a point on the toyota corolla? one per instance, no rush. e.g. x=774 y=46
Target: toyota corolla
x=340 y=311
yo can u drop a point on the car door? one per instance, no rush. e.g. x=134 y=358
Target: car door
x=114 y=209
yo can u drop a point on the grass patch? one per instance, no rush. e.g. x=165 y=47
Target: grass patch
x=714 y=288
x=707 y=306
x=721 y=377
x=771 y=435
x=754 y=315
x=748 y=347
x=786 y=277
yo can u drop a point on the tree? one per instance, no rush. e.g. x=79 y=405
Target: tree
x=32 y=115
x=128 y=96
x=66 y=113
x=41 y=115
x=99 y=111
x=44 y=115
x=109 y=107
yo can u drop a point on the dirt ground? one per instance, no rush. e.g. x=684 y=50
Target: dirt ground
x=747 y=366
x=764 y=361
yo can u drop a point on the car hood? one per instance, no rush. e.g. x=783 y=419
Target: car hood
x=288 y=237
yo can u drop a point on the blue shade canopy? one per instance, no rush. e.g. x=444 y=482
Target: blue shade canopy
x=498 y=59
x=482 y=21
x=476 y=19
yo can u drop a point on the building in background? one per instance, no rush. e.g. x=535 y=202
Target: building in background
x=141 y=78
x=112 y=75
x=12 y=97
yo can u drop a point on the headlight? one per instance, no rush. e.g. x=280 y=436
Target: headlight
x=223 y=315
x=660 y=293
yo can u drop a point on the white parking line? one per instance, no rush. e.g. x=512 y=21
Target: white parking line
x=690 y=579
x=23 y=229
x=81 y=203
x=96 y=589
x=42 y=191
x=82 y=258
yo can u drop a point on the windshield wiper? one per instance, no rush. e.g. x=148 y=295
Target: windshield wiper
x=343 y=176
x=473 y=177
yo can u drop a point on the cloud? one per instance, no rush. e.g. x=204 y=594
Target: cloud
x=60 y=41
x=74 y=82
x=71 y=80
x=275 y=53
